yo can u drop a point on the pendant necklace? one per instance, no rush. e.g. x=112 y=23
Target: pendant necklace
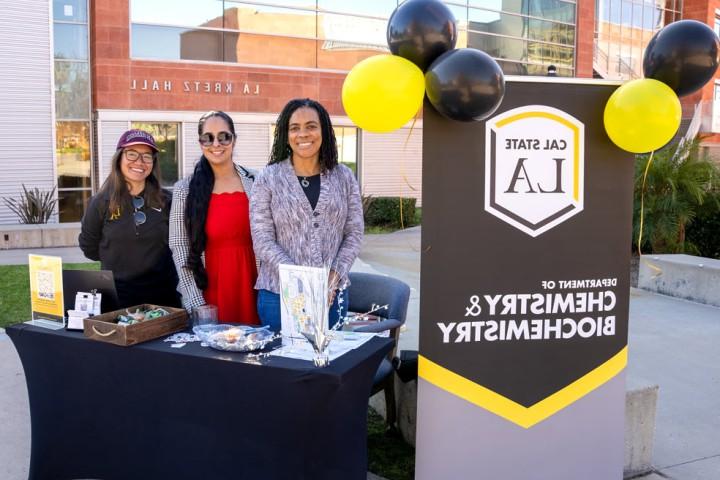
x=304 y=182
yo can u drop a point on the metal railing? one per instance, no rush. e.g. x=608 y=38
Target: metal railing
x=602 y=61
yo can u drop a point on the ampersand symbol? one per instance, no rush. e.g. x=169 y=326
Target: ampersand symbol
x=474 y=309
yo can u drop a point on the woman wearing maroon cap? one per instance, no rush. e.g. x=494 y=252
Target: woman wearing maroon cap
x=126 y=225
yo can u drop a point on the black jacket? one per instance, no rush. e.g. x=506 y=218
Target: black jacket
x=138 y=255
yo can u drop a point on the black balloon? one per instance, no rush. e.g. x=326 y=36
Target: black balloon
x=683 y=55
x=465 y=84
x=421 y=31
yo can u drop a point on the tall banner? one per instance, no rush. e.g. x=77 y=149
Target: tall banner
x=524 y=289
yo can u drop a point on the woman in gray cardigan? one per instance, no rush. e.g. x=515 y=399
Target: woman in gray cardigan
x=305 y=208
x=209 y=227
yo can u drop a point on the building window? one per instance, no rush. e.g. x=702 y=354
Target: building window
x=73 y=147
x=166 y=137
x=70 y=41
x=72 y=90
x=623 y=28
x=294 y=33
x=347 y=145
x=70 y=10
x=525 y=37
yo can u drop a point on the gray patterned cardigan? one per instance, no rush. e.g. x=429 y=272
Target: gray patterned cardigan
x=180 y=242
x=285 y=229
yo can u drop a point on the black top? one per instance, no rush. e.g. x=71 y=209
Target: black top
x=311 y=187
x=138 y=255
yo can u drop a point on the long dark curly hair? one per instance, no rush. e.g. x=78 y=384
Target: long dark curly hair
x=197 y=203
x=281 y=147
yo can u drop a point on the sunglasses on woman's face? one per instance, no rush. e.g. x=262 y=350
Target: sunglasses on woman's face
x=224 y=138
x=139 y=216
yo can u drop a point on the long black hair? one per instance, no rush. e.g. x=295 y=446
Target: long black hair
x=197 y=203
x=281 y=146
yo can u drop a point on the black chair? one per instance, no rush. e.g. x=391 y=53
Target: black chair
x=366 y=290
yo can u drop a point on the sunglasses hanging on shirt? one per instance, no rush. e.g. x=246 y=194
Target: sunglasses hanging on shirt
x=139 y=216
x=208 y=139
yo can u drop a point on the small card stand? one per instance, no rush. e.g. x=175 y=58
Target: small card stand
x=302 y=291
x=47 y=323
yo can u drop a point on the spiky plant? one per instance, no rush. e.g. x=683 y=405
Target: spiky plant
x=34 y=206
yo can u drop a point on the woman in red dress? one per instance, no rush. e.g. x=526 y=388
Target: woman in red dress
x=210 y=229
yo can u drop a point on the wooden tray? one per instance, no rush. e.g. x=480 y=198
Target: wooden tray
x=104 y=327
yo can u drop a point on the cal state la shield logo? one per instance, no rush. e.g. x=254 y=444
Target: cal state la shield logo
x=534 y=167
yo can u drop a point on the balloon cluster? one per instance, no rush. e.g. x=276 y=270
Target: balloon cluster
x=643 y=115
x=383 y=92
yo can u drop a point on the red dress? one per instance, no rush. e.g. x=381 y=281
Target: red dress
x=230 y=260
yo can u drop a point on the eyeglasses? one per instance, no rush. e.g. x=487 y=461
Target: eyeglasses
x=133 y=156
x=139 y=216
x=223 y=138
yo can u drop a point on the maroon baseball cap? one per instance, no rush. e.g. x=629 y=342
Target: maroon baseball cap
x=136 y=137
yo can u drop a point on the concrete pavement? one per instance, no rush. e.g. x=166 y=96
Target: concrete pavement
x=14 y=415
x=676 y=344
x=672 y=343
x=19 y=256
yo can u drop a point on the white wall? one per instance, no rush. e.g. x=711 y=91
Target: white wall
x=392 y=163
x=26 y=101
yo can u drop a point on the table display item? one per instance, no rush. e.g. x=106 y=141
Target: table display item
x=304 y=307
x=141 y=316
x=234 y=338
x=135 y=324
x=303 y=298
x=204 y=315
x=319 y=339
x=75 y=319
x=88 y=302
x=46 y=291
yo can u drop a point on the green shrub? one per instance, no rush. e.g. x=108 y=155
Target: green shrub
x=680 y=182
x=385 y=211
x=704 y=231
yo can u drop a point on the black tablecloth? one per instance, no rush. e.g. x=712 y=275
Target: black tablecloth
x=154 y=412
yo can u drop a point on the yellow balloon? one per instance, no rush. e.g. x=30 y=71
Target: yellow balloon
x=382 y=93
x=642 y=115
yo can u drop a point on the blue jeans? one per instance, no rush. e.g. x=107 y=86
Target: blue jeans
x=268 y=308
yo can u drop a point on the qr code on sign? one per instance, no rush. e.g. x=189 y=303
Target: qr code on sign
x=45 y=284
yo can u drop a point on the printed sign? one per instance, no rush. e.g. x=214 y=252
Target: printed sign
x=303 y=297
x=534 y=164
x=46 y=291
x=525 y=289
